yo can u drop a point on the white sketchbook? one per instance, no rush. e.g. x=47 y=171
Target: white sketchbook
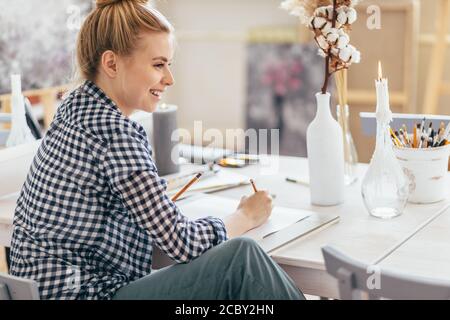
x=283 y=226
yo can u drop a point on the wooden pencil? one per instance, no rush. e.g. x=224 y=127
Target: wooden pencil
x=190 y=183
x=253 y=185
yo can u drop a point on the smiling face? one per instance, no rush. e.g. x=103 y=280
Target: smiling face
x=137 y=81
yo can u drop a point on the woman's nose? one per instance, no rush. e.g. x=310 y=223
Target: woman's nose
x=168 y=78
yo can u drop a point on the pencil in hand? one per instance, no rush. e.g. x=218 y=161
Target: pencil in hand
x=256 y=190
x=253 y=185
x=183 y=190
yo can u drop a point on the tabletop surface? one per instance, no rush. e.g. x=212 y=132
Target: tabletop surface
x=427 y=253
x=356 y=234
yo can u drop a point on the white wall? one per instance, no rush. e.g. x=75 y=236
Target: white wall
x=210 y=62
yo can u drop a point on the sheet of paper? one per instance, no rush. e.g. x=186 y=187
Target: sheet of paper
x=221 y=180
x=209 y=205
x=178 y=180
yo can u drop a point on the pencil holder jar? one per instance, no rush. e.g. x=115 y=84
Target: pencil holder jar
x=427 y=170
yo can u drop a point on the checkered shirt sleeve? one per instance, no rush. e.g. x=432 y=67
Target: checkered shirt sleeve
x=133 y=178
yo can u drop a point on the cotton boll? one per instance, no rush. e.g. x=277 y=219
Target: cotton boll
x=352 y=15
x=333 y=30
x=343 y=41
x=351 y=48
x=342 y=18
x=330 y=12
x=318 y=22
x=326 y=28
x=332 y=35
x=355 y=54
x=322 y=42
x=321 y=12
x=345 y=54
x=356 y=57
x=342 y=9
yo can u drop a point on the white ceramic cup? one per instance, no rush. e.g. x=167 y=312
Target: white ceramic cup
x=427 y=170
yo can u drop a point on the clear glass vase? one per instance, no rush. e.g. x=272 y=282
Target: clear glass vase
x=350 y=153
x=385 y=188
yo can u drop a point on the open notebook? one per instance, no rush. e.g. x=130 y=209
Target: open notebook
x=283 y=226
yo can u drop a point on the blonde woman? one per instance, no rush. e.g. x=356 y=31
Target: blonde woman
x=93 y=204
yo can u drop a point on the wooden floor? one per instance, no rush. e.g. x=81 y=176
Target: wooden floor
x=3 y=267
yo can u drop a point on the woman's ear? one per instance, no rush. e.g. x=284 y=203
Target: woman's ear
x=109 y=63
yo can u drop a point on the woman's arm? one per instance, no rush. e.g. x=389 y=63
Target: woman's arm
x=132 y=177
x=236 y=224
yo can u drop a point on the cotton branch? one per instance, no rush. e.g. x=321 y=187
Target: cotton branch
x=328 y=58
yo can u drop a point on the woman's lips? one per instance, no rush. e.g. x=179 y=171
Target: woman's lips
x=156 y=93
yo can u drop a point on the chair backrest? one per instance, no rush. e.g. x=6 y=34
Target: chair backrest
x=14 y=288
x=362 y=281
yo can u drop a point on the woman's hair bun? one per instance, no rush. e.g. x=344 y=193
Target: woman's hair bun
x=105 y=3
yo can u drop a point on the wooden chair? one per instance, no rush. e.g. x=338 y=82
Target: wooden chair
x=355 y=281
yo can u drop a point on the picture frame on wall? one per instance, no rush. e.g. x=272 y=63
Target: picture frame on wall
x=282 y=81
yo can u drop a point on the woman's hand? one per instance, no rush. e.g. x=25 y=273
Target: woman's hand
x=252 y=212
x=256 y=208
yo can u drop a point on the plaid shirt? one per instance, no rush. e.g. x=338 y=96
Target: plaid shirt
x=93 y=205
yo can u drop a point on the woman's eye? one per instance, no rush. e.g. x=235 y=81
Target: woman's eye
x=160 y=65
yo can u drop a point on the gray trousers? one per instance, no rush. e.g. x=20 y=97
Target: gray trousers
x=236 y=269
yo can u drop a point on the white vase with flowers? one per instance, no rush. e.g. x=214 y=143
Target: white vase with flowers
x=330 y=20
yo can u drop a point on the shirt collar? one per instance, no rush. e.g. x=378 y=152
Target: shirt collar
x=92 y=89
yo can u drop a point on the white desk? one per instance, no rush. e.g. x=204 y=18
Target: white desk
x=427 y=253
x=357 y=234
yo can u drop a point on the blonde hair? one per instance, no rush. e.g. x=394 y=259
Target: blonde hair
x=114 y=25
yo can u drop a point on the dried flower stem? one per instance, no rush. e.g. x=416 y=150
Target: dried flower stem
x=327 y=60
x=341 y=86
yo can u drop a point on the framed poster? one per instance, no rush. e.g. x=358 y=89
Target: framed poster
x=283 y=79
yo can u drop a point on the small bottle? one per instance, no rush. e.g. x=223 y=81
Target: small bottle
x=20 y=132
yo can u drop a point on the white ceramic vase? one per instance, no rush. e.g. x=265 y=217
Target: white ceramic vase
x=325 y=156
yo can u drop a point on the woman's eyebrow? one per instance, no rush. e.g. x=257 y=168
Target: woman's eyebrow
x=161 y=58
